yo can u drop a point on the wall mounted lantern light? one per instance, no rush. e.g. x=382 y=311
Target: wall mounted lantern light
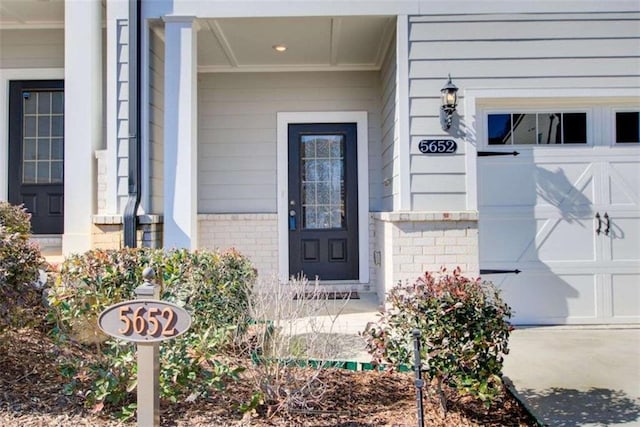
x=449 y=99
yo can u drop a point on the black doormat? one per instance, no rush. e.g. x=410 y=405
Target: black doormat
x=328 y=295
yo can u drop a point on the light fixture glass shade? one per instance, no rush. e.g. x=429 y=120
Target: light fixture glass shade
x=449 y=95
x=449 y=99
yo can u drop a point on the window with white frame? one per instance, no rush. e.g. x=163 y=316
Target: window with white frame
x=537 y=128
x=627 y=127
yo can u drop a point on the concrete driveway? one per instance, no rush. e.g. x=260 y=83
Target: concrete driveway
x=577 y=376
x=566 y=376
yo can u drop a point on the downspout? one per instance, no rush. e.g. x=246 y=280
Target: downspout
x=134 y=183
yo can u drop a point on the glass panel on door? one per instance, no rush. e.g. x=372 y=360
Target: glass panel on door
x=323 y=198
x=42 y=137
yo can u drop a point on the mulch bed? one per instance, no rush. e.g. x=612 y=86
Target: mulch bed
x=31 y=395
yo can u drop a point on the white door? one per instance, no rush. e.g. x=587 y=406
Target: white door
x=566 y=215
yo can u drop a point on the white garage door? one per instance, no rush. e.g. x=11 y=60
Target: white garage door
x=565 y=212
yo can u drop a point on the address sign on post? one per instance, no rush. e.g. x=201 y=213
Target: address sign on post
x=438 y=146
x=144 y=321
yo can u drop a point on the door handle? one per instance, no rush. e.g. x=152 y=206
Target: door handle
x=292 y=220
x=608 y=226
x=599 y=226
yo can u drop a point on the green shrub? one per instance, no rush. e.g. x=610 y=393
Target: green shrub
x=464 y=327
x=20 y=261
x=212 y=286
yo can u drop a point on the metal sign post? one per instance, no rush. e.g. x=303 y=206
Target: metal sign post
x=418 y=370
x=148 y=363
x=146 y=321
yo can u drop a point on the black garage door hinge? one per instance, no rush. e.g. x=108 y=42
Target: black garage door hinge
x=516 y=271
x=497 y=153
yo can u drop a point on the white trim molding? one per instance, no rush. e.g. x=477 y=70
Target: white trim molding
x=83 y=119
x=180 y=184
x=403 y=112
x=7 y=75
x=361 y=120
x=503 y=97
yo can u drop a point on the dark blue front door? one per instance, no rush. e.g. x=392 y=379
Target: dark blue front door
x=323 y=201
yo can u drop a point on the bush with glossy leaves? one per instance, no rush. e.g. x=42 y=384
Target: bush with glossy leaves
x=212 y=286
x=464 y=326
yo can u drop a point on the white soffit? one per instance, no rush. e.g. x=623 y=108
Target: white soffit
x=31 y=14
x=313 y=43
x=350 y=42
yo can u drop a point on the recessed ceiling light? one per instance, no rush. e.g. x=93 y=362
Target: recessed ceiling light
x=279 y=47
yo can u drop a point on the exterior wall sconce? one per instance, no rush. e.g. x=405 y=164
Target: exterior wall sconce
x=449 y=99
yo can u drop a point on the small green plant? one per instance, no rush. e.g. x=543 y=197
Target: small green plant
x=465 y=331
x=212 y=286
x=20 y=262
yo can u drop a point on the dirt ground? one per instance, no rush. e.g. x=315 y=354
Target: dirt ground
x=31 y=395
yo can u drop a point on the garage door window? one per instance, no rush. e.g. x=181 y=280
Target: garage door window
x=539 y=128
x=627 y=127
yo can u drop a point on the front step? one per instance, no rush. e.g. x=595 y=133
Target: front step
x=50 y=244
x=50 y=247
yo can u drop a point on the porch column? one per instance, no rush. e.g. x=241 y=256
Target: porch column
x=180 y=133
x=83 y=119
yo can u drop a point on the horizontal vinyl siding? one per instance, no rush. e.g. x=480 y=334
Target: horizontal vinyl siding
x=237 y=131
x=122 y=117
x=156 y=122
x=32 y=48
x=390 y=145
x=555 y=50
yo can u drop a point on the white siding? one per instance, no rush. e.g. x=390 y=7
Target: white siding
x=237 y=131
x=156 y=121
x=32 y=48
x=122 y=155
x=552 y=50
x=390 y=135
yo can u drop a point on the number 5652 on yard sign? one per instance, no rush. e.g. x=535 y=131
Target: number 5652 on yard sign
x=144 y=320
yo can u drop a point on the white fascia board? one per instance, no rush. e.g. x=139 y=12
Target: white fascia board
x=6 y=75
x=453 y=7
x=271 y=8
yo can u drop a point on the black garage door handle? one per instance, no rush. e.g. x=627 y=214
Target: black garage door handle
x=516 y=271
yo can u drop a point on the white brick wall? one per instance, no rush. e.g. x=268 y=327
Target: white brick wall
x=254 y=235
x=408 y=244
x=414 y=242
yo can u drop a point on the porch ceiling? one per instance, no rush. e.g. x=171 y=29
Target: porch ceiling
x=246 y=44
x=31 y=13
x=313 y=43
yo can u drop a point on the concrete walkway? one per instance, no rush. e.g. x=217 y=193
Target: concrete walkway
x=577 y=376
x=566 y=376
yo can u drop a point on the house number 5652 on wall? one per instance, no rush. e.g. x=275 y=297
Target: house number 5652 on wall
x=438 y=146
x=144 y=320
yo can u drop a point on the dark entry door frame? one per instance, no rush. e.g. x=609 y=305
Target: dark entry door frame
x=359 y=118
x=35 y=173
